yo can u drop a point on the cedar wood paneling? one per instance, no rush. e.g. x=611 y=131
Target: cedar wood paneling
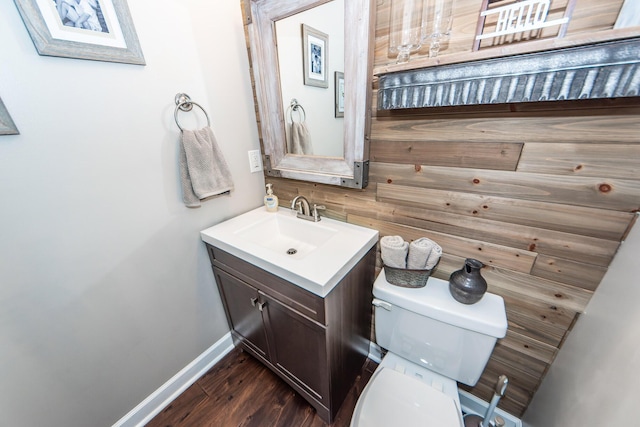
x=542 y=193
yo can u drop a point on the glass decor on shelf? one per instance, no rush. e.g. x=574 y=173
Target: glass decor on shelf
x=437 y=22
x=405 y=28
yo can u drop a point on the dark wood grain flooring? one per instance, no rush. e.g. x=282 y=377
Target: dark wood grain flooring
x=240 y=391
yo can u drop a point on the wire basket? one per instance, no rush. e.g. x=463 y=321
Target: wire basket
x=405 y=277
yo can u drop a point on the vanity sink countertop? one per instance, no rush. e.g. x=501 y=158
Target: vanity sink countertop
x=313 y=255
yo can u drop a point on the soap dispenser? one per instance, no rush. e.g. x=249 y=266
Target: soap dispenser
x=271 y=200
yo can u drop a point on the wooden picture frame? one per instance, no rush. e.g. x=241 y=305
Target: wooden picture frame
x=339 y=96
x=98 y=30
x=7 y=127
x=315 y=53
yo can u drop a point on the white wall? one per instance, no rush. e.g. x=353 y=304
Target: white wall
x=593 y=381
x=105 y=288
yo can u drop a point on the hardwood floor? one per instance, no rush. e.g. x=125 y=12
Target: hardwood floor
x=240 y=391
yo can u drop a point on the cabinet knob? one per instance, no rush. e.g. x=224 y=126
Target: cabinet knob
x=254 y=301
x=261 y=305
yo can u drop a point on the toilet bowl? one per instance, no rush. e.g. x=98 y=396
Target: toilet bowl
x=401 y=393
x=432 y=342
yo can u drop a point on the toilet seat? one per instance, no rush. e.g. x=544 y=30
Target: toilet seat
x=394 y=399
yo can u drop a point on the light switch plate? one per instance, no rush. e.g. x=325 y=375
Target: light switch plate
x=255 y=162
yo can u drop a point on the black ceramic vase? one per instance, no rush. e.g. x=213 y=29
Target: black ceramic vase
x=467 y=284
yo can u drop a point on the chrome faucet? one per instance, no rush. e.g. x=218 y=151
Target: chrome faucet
x=300 y=204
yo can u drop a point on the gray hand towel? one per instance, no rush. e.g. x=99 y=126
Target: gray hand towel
x=434 y=256
x=419 y=251
x=203 y=170
x=300 y=139
x=394 y=251
x=424 y=254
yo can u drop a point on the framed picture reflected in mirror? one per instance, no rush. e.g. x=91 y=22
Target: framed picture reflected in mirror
x=339 y=83
x=315 y=57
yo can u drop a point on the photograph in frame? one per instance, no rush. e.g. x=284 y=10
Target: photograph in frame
x=7 y=126
x=99 y=30
x=315 y=57
x=339 y=82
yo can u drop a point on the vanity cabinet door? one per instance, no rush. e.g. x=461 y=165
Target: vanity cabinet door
x=298 y=347
x=242 y=307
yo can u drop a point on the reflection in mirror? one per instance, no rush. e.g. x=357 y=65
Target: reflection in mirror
x=311 y=126
x=349 y=167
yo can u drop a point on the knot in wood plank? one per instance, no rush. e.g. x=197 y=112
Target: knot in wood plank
x=605 y=188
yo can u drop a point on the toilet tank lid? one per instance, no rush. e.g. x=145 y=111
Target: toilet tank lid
x=487 y=316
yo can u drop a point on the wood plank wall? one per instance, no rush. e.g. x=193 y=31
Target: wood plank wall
x=542 y=193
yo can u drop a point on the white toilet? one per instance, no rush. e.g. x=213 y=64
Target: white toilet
x=432 y=342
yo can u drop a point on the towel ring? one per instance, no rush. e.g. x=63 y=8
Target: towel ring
x=184 y=103
x=293 y=106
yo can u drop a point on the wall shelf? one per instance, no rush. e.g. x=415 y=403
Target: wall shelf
x=608 y=69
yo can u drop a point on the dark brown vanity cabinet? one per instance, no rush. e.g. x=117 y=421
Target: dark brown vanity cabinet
x=316 y=344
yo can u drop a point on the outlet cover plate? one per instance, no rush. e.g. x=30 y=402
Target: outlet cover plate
x=255 y=162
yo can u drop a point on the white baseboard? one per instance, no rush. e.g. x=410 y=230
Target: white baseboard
x=375 y=352
x=159 y=399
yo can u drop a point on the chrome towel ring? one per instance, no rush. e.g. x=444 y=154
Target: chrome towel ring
x=184 y=103
x=295 y=106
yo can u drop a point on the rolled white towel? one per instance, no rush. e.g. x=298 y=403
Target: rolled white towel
x=394 y=251
x=419 y=251
x=434 y=256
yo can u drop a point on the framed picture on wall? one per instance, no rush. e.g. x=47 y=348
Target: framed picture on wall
x=315 y=56
x=339 y=82
x=99 y=30
x=7 y=127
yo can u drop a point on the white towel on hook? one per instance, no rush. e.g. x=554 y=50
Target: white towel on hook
x=394 y=251
x=203 y=170
x=300 y=139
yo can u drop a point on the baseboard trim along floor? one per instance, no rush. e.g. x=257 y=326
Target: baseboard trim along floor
x=165 y=394
x=375 y=352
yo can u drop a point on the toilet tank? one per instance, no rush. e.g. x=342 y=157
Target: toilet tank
x=428 y=327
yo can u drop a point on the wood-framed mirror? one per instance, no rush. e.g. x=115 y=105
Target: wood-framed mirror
x=350 y=169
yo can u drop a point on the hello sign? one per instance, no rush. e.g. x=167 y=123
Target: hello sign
x=519 y=17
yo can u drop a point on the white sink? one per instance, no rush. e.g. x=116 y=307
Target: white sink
x=286 y=234
x=312 y=255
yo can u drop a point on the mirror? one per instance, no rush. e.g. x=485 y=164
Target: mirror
x=349 y=168
x=310 y=53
